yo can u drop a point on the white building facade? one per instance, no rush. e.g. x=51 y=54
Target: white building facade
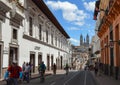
x=30 y=34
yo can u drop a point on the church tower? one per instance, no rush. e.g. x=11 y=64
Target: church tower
x=81 y=39
x=87 y=39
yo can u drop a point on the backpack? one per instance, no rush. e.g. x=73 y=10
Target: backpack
x=42 y=67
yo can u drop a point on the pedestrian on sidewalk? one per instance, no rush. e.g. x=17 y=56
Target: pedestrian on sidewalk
x=96 y=68
x=31 y=66
x=23 y=66
x=67 y=69
x=13 y=74
x=26 y=73
x=100 y=69
x=54 y=69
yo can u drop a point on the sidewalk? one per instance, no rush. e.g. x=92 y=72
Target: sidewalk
x=106 y=80
x=34 y=76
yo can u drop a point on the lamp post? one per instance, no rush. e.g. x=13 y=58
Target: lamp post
x=116 y=68
x=112 y=42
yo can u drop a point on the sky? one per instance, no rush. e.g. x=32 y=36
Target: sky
x=75 y=16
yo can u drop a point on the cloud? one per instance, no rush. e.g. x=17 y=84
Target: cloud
x=70 y=12
x=79 y=23
x=74 y=28
x=89 y=6
x=74 y=41
x=83 y=0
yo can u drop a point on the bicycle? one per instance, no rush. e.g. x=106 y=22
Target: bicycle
x=42 y=79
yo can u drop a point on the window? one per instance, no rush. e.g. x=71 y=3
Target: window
x=56 y=41
x=0 y=27
x=52 y=39
x=59 y=42
x=47 y=36
x=40 y=32
x=14 y=34
x=30 y=26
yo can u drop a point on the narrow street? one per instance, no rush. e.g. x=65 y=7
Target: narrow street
x=74 y=77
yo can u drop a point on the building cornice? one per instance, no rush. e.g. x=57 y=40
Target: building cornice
x=42 y=6
x=41 y=42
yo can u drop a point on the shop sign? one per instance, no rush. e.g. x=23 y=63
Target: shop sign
x=36 y=48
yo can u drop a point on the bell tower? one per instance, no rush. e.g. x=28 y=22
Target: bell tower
x=81 y=39
x=87 y=39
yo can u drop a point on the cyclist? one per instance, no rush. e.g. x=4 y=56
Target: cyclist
x=42 y=69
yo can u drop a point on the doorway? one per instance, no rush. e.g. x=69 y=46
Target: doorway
x=48 y=62
x=32 y=61
x=13 y=55
x=0 y=62
x=39 y=59
x=61 y=58
x=52 y=62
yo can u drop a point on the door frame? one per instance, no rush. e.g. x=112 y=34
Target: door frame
x=32 y=53
x=41 y=57
x=1 y=58
x=48 y=62
x=17 y=56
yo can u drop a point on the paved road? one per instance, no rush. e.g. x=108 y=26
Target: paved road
x=73 y=78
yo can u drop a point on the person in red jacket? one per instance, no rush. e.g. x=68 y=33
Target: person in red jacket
x=15 y=73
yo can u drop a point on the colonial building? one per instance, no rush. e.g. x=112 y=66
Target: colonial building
x=29 y=32
x=109 y=34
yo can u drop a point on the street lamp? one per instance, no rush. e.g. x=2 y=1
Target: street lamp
x=112 y=42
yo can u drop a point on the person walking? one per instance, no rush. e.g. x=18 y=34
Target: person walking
x=13 y=73
x=54 y=69
x=23 y=66
x=67 y=69
x=96 y=68
x=27 y=72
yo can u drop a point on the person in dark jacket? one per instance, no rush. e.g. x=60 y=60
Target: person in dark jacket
x=54 y=68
